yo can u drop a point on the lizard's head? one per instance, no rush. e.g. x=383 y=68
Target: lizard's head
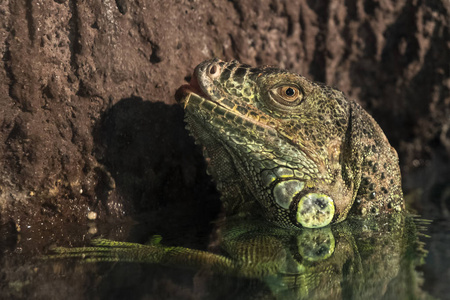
x=274 y=133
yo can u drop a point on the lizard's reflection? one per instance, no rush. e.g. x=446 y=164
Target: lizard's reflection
x=368 y=258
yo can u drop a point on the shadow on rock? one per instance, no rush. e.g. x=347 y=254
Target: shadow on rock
x=155 y=164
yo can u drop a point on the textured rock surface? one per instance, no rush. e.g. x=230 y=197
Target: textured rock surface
x=88 y=121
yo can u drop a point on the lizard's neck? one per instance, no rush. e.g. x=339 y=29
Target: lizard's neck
x=224 y=166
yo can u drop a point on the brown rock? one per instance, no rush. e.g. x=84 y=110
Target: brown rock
x=87 y=121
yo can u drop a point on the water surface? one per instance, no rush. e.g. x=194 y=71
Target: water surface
x=384 y=258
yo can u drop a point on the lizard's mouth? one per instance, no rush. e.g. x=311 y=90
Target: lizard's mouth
x=183 y=92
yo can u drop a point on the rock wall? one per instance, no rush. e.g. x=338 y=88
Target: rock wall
x=88 y=120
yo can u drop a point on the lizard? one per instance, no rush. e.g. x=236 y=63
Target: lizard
x=301 y=155
x=297 y=152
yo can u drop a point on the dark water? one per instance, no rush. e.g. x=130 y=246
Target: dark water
x=370 y=259
x=384 y=258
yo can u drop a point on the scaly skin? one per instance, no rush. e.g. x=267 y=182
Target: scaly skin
x=297 y=152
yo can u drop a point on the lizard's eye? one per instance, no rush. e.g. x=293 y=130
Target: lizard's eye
x=287 y=95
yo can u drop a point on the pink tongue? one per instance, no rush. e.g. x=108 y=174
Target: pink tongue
x=182 y=92
x=193 y=86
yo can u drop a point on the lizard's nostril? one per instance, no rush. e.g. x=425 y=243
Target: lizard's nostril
x=214 y=71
